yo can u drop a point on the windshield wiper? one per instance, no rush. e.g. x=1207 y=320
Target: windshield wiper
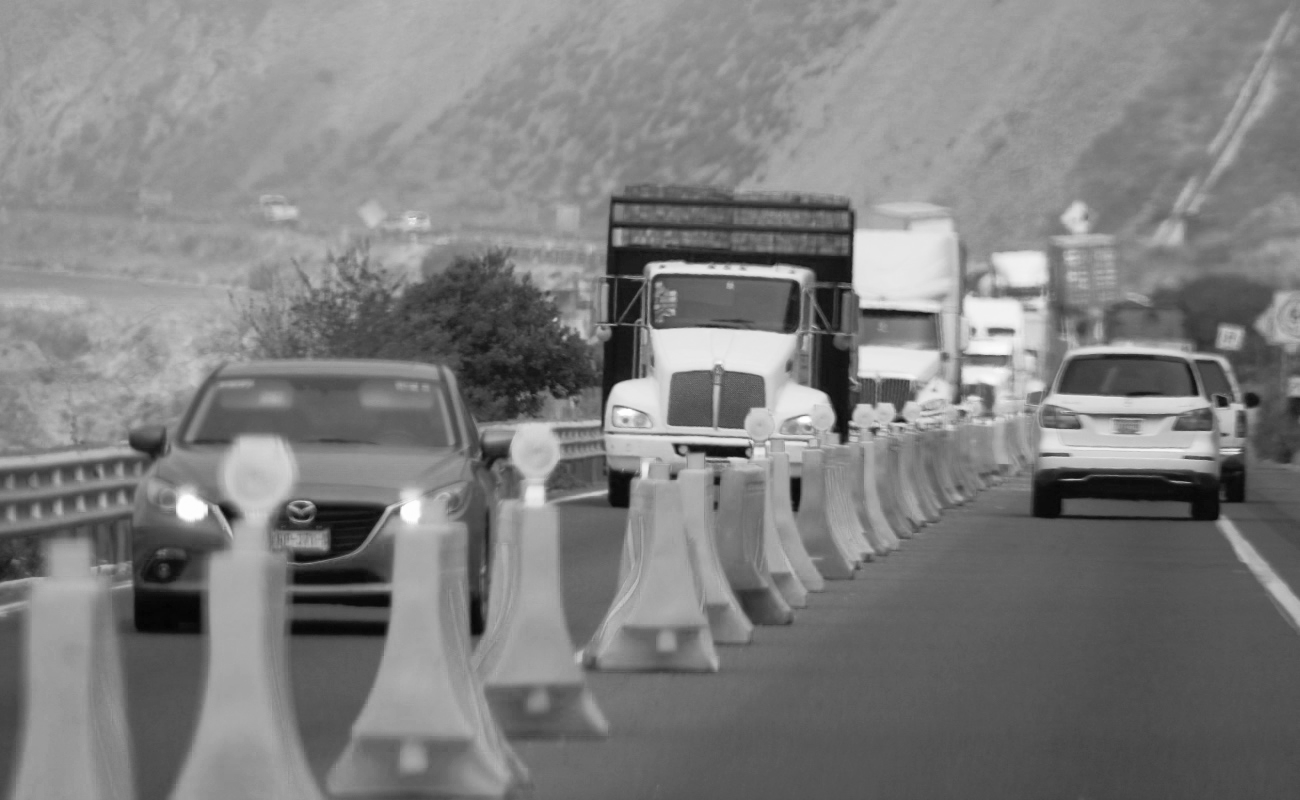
x=743 y=324
x=208 y=441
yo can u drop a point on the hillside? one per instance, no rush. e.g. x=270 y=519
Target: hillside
x=491 y=111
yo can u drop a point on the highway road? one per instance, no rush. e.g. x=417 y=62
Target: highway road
x=121 y=293
x=1122 y=651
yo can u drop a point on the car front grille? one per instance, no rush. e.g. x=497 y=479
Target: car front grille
x=690 y=399
x=350 y=525
x=897 y=391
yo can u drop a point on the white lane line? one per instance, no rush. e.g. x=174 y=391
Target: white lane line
x=583 y=496
x=1285 y=600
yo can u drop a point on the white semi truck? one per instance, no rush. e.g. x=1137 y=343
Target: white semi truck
x=908 y=273
x=714 y=303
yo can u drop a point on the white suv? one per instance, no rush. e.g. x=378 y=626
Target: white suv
x=1129 y=423
x=1219 y=379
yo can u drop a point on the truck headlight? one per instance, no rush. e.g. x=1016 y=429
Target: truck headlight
x=624 y=417
x=798 y=426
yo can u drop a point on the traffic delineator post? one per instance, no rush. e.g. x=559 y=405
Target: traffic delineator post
x=74 y=742
x=844 y=517
x=246 y=742
x=657 y=622
x=787 y=530
x=727 y=620
x=426 y=728
x=525 y=660
x=742 y=548
x=814 y=522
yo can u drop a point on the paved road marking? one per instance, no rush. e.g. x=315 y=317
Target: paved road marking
x=1287 y=603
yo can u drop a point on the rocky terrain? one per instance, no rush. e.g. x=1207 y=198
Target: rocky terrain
x=493 y=111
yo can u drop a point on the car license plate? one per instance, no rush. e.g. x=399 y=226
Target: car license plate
x=315 y=540
x=1128 y=426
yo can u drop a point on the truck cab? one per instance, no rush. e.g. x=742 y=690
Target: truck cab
x=709 y=309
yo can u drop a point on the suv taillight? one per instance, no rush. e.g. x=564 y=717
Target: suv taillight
x=1057 y=417
x=1241 y=424
x=1202 y=419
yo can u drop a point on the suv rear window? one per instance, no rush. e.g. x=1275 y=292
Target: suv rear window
x=1216 y=380
x=1128 y=376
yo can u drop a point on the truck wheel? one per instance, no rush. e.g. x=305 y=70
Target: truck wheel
x=1045 y=502
x=620 y=488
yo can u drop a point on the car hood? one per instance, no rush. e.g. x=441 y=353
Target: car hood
x=334 y=472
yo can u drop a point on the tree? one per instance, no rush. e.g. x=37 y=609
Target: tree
x=504 y=331
x=1214 y=299
x=349 y=312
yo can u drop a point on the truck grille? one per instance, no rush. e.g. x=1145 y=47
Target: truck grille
x=690 y=399
x=350 y=525
x=897 y=391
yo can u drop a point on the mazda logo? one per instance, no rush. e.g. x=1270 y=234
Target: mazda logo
x=300 y=512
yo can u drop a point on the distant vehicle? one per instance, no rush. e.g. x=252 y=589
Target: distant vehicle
x=277 y=210
x=1128 y=423
x=366 y=435
x=410 y=222
x=1219 y=379
x=989 y=372
x=908 y=271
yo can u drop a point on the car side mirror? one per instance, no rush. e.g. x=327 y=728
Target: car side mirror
x=496 y=445
x=1222 y=401
x=1034 y=398
x=148 y=439
x=1252 y=400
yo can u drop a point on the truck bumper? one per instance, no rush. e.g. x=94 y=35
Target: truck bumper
x=624 y=451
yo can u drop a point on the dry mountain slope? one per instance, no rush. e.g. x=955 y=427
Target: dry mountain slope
x=489 y=110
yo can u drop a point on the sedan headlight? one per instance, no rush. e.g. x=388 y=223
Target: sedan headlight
x=453 y=498
x=798 y=426
x=182 y=501
x=624 y=417
x=1202 y=419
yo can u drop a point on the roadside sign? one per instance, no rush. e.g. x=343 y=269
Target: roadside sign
x=1229 y=337
x=1084 y=272
x=1280 y=323
x=1077 y=219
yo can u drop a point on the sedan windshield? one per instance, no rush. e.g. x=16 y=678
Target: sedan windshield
x=1128 y=376
x=725 y=301
x=326 y=410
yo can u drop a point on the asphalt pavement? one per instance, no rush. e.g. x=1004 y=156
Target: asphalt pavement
x=1122 y=651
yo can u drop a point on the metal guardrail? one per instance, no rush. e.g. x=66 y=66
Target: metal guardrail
x=69 y=490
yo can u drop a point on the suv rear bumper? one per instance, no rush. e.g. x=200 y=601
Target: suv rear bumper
x=1126 y=484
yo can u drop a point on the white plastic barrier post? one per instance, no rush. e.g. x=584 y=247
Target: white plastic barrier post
x=246 y=743
x=74 y=740
x=760 y=425
x=816 y=523
x=920 y=486
x=786 y=526
x=727 y=620
x=870 y=516
x=844 y=516
x=525 y=660
x=891 y=479
x=741 y=546
x=657 y=622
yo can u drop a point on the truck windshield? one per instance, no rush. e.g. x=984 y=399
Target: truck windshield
x=725 y=301
x=913 y=330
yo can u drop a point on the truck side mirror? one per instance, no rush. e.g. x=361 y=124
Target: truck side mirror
x=1252 y=400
